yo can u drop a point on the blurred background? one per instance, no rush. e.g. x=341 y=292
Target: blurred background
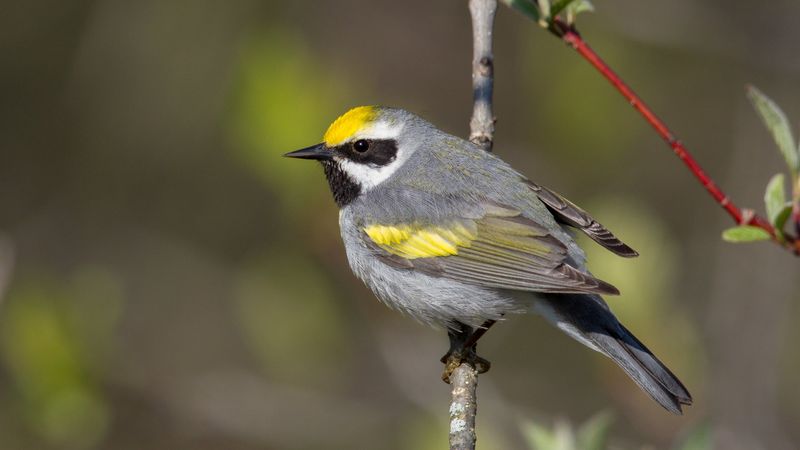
x=168 y=281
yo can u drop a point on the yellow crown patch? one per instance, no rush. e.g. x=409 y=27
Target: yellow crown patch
x=348 y=124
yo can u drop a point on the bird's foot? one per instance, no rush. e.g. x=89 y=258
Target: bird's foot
x=455 y=358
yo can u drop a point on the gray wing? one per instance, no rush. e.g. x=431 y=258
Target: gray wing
x=498 y=248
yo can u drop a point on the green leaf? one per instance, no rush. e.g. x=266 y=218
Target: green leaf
x=592 y=434
x=572 y=7
x=526 y=7
x=745 y=233
x=782 y=217
x=577 y=7
x=774 y=197
x=776 y=122
x=558 y=6
x=544 y=7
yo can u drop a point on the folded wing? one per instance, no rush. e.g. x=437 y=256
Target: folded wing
x=500 y=249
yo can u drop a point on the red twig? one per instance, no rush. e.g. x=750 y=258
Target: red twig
x=569 y=35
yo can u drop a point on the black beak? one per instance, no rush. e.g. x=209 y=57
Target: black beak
x=318 y=152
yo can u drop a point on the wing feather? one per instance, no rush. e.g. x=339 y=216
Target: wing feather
x=570 y=214
x=499 y=248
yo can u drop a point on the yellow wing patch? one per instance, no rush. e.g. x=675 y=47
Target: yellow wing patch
x=413 y=241
x=348 y=124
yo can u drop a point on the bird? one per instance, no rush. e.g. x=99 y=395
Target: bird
x=454 y=237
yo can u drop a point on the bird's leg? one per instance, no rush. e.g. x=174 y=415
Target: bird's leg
x=463 y=349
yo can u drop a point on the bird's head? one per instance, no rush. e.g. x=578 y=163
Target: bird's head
x=363 y=148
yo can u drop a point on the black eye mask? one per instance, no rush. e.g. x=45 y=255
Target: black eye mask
x=374 y=152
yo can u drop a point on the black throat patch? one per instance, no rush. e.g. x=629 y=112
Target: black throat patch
x=370 y=152
x=343 y=188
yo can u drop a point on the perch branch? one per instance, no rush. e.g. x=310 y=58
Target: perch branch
x=742 y=217
x=464 y=378
x=463 y=407
x=482 y=123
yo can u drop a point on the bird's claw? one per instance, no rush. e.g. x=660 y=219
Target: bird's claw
x=453 y=359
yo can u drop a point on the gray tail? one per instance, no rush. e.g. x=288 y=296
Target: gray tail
x=588 y=319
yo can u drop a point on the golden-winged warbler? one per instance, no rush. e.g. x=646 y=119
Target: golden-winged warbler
x=454 y=237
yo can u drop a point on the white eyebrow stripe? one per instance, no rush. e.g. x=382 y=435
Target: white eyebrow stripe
x=378 y=130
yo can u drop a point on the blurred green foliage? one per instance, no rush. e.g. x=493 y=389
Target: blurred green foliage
x=647 y=286
x=297 y=329
x=56 y=335
x=593 y=435
x=585 y=137
x=698 y=438
x=284 y=100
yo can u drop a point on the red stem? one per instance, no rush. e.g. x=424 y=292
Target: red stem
x=574 y=40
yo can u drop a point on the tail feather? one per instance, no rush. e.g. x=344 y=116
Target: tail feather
x=645 y=369
x=589 y=320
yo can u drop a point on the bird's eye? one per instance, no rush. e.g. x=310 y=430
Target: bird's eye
x=361 y=145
